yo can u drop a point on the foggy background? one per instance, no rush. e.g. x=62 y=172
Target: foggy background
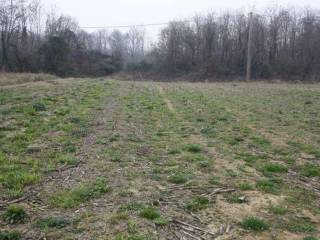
x=101 y=13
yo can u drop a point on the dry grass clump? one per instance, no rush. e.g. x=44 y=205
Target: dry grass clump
x=21 y=78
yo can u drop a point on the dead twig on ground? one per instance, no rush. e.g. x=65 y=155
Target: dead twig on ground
x=4 y=204
x=193 y=228
x=219 y=191
x=308 y=183
x=192 y=236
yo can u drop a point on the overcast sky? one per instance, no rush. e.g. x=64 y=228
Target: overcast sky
x=127 y=12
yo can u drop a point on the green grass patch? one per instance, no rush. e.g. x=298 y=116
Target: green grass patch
x=300 y=225
x=216 y=181
x=58 y=223
x=261 y=142
x=235 y=198
x=10 y=235
x=194 y=148
x=178 y=178
x=307 y=148
x=310 y=238
x=233 y=140
x=150 y=213
x=245 y=186
x=272 y=185
x=15 y=214
x=39 y=107
x=68 y=159
x=15 y=178
x=274 y=168
x=310 y=170
x=133 y=206
x=197 y=203
x=57 y=116
x=161 y=221
x=80 y=194
x=249 y=158
x=174 y=152
x=279 y=210
x=195 y=158
x=254 y=224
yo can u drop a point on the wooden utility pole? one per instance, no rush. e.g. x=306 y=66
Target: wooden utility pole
x=249 y=56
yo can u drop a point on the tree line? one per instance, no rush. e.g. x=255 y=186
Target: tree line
x=33 y=40
x=286 y=45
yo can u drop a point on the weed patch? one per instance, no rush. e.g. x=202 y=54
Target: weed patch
x=10 y=235
x=58 y=223
x=235 y=198
x=272 y=186
x=83 y=193
x=15 y=214
x=178 y=178
x=279 y=210
x=245 y=186
x=194 y=148
x=150 y=213
x=274 y=168
x=197 y=203
x=310 y=170
x=254 y=224
x=299 y=225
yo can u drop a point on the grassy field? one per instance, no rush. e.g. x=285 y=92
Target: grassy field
x=103 y=159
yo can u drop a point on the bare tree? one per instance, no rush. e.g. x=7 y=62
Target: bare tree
x=135 y=44
x=11 y=14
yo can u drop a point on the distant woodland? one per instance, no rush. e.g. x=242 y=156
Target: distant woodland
x=286 y=45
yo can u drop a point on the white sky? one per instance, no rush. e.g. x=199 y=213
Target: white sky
x=128 y=12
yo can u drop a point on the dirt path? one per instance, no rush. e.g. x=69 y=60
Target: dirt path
x=166 y=100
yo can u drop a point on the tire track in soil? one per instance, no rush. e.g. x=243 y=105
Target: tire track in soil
x=195 y=218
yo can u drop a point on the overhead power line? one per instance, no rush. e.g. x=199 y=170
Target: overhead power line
x=127 y=26
x=130 y=26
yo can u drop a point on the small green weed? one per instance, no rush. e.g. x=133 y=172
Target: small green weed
x=194 y=148
x=150 y=213
x=174 y=152
x=68 y=159
x=10 y=235
x=310 y=238
x=15 y=214
x=178 y=178
x=83 y=193
x=195 y=158
x=261 y=142
x=274 y=168
x=279 y=210
x=46 y=223
x=134 y=206
x=132 y=226
x=299 y=225
x=247 y=157
x=310 y=170
x=197 y=203
x=235 y=198
x=309 y=149
x=254 y=224
x=245 y=186
x=39 y=107
x=215 y=181
x=161 y=221
x=272 y=186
